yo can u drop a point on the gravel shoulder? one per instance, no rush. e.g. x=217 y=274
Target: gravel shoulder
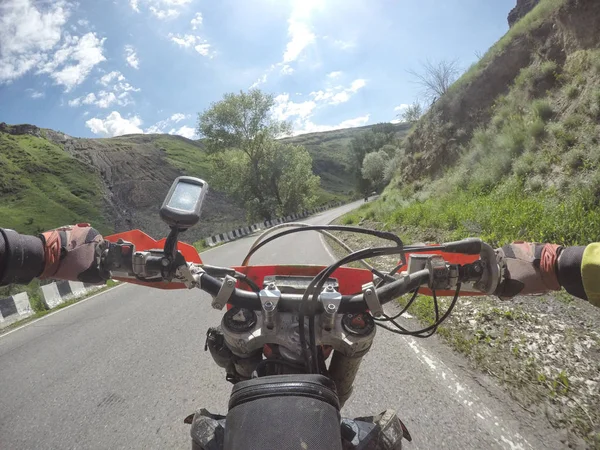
x=544 y=351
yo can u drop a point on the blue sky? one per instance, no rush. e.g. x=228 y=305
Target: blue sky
x=110 y=67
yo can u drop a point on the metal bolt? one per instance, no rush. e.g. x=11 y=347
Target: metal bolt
x=165 y=262
x=271 y=286
x=330 y=288
x=229 y=282
x=331 y=308
x=369 y=292
x=268 y=306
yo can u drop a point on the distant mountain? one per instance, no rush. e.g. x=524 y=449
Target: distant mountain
x=50 y=179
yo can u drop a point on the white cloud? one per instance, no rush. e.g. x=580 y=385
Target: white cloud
x=334 y=75
x=135 y=5
x=35 y=94
x=183 y=40
x=163 y=125
x=177 y=117
x=27 y=34
x=114 y=125
x=299 y=29
x=131 y=57
x=344 y=45
x=284 y=108
x=261 y=80
x=109 y=77
x=176 y=2
x=184 y=131
x=287 y=70
x=338 y=94
x=401 y=107
x=196 y=22
x=300 y=37
x=74 y=60
x=118 y=92
x=191 y=40
x=164 y=13
x=203 y=49
x=310 y=127
x=103 y=100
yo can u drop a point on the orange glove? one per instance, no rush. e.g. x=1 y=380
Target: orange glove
x=527 y=268
x=73 y=253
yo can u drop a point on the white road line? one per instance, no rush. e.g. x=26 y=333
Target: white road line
x=468 y=398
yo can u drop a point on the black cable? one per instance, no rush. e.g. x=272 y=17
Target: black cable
x=421 y=333
x=248 y=281
x=410 y=302
x=380 y=234
x=317 y=283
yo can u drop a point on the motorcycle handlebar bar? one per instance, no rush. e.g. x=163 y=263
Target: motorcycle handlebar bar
x=291 y=302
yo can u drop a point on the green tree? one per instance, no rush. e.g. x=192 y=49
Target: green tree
x=373 y=168
x=380 y=136
x=267 y=177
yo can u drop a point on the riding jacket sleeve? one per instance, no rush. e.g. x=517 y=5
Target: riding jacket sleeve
x=21 y=257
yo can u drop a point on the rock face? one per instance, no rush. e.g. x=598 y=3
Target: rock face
x=520 y=10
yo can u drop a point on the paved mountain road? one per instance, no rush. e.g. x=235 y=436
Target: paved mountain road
x=122 y=370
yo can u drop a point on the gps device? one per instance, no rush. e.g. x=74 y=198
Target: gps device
x=181 y=208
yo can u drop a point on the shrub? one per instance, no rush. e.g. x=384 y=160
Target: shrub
x=542 y=109
x=524 y=165
x=537 y=129
x=572 y=91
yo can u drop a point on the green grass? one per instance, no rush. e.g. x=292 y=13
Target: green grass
x=43 y=187
x=531 y=173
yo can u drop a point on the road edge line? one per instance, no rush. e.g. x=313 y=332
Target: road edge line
x=61 y=309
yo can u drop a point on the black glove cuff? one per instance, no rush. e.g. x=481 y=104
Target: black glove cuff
x=569 y=271
x=23 y=258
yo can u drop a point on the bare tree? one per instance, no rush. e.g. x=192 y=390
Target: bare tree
x=436 y=78
x=413 y=113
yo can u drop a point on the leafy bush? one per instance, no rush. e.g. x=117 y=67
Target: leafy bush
x=543 y=109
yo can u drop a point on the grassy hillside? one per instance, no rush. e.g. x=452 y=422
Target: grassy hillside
x=42 y=187
x=332 y=157
x=523 y=161
x=51 y=179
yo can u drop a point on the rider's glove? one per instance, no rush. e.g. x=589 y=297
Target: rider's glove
x=527 y=268
x=73 y=253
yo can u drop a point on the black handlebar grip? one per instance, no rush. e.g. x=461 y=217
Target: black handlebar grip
x=469 y=246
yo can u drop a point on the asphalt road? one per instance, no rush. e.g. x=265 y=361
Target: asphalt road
x=123 y=369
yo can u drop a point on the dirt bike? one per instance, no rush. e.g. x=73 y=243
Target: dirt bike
x=292 y=338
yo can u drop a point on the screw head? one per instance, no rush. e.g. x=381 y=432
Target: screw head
x=165 y=262
x=230 y=282
x=331 y=307
x=269 y=306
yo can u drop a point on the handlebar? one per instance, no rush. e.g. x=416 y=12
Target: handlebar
x=291 y=302
x=427 y=270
